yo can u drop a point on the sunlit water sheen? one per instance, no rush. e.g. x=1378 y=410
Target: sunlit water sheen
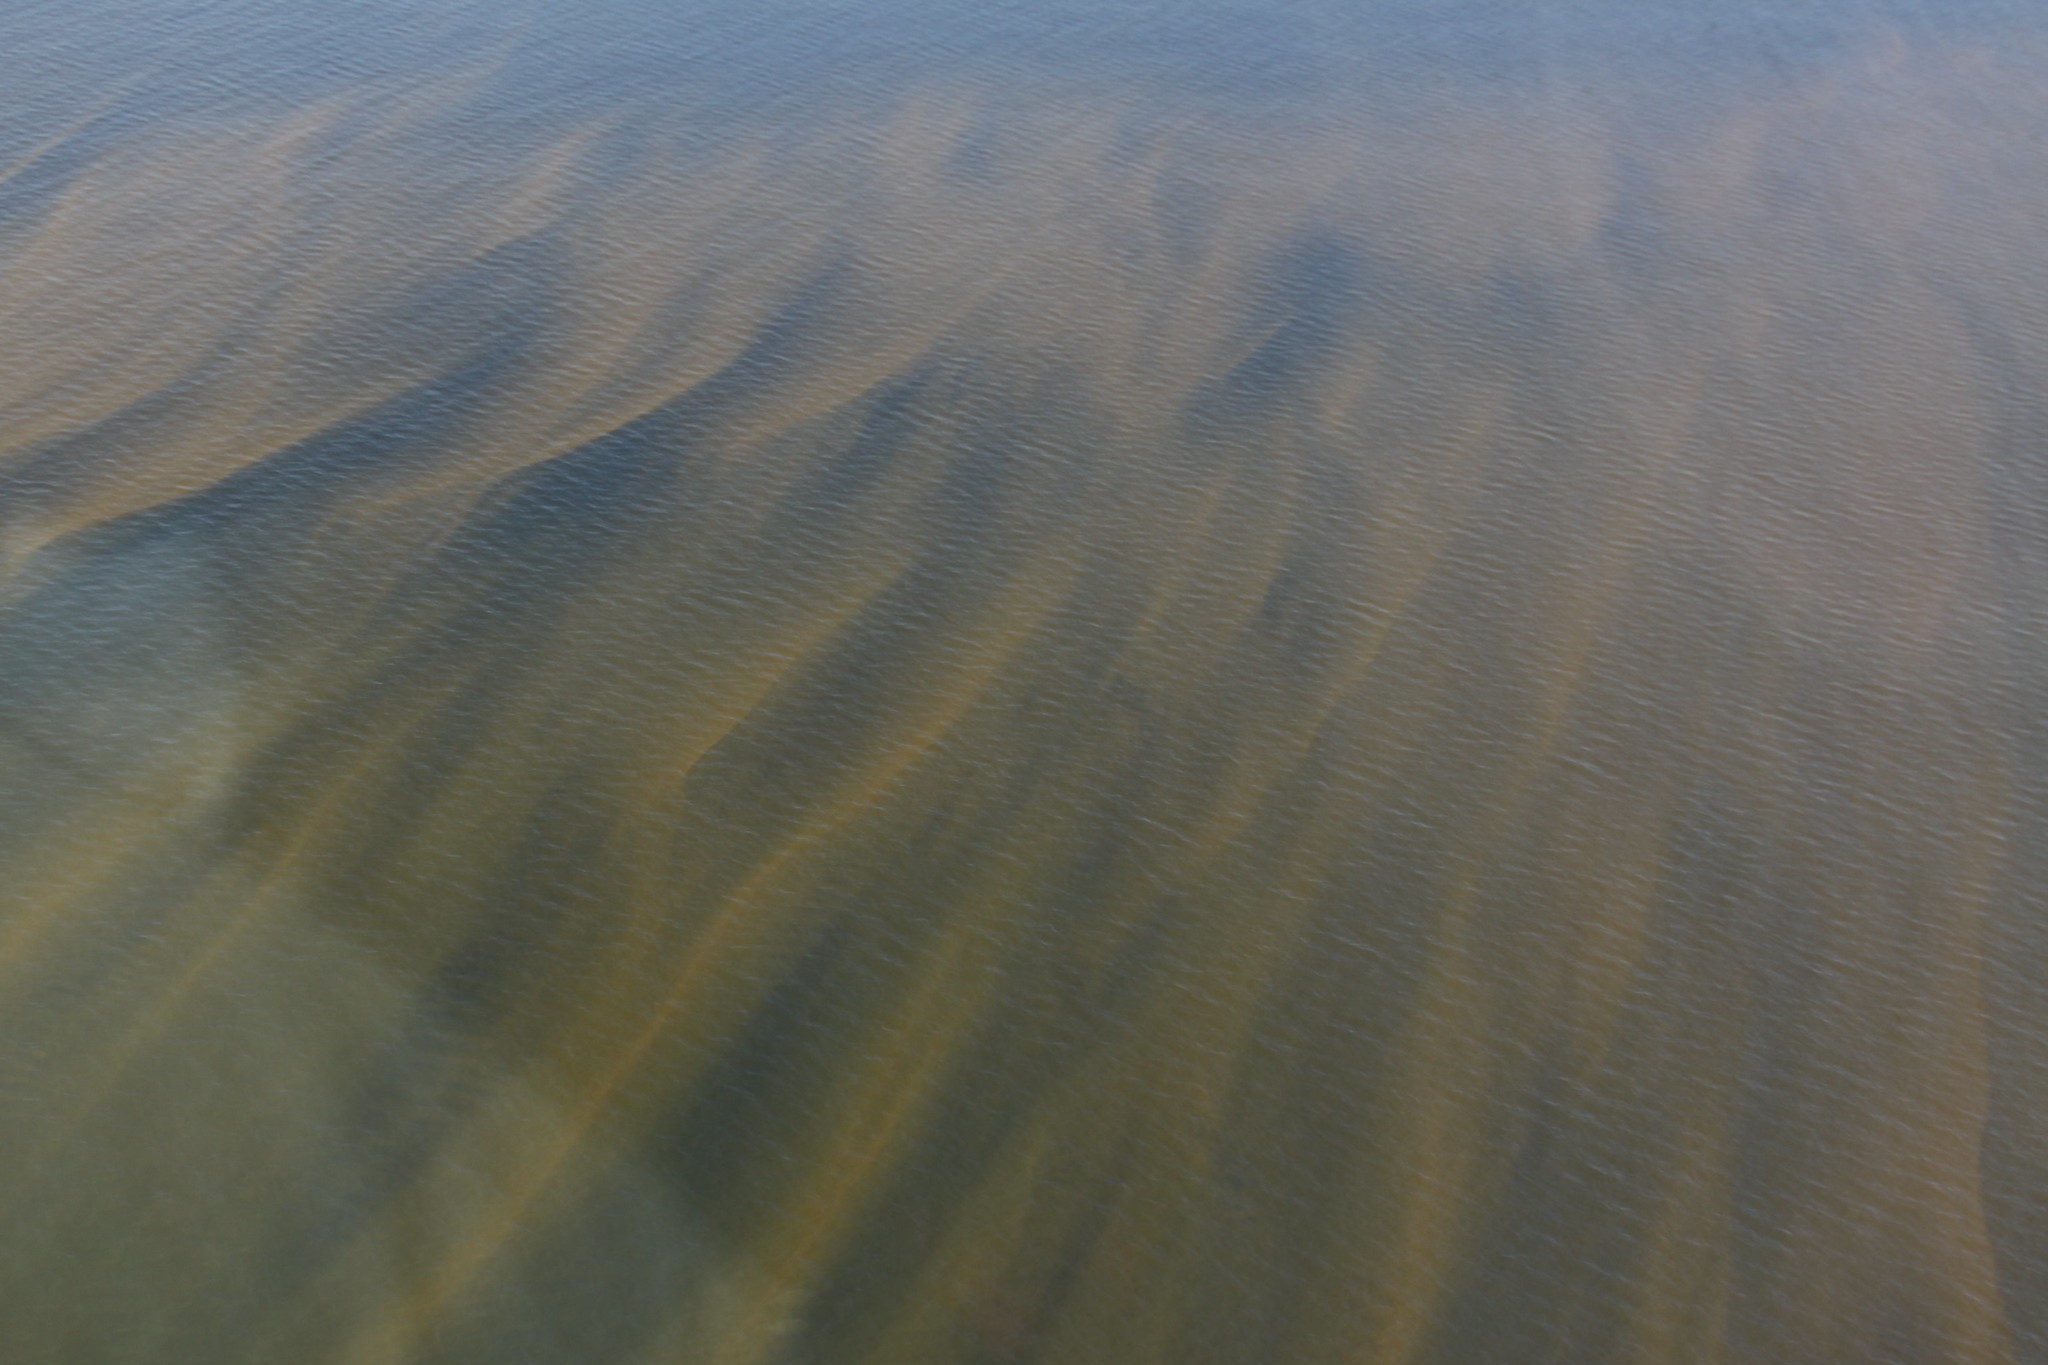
x=878 y=684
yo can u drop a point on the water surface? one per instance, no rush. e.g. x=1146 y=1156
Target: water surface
x=1065 y=683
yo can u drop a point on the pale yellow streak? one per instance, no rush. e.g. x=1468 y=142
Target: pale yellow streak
x=1441 y=1083
x=715 y=956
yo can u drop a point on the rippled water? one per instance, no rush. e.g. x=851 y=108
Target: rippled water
x=1067 y=683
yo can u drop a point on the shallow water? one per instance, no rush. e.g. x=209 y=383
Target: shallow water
x=1086 y=683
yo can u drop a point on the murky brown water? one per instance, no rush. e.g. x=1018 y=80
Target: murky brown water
x=1047 y=685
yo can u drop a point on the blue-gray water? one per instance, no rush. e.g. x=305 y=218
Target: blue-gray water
x=897 y=682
